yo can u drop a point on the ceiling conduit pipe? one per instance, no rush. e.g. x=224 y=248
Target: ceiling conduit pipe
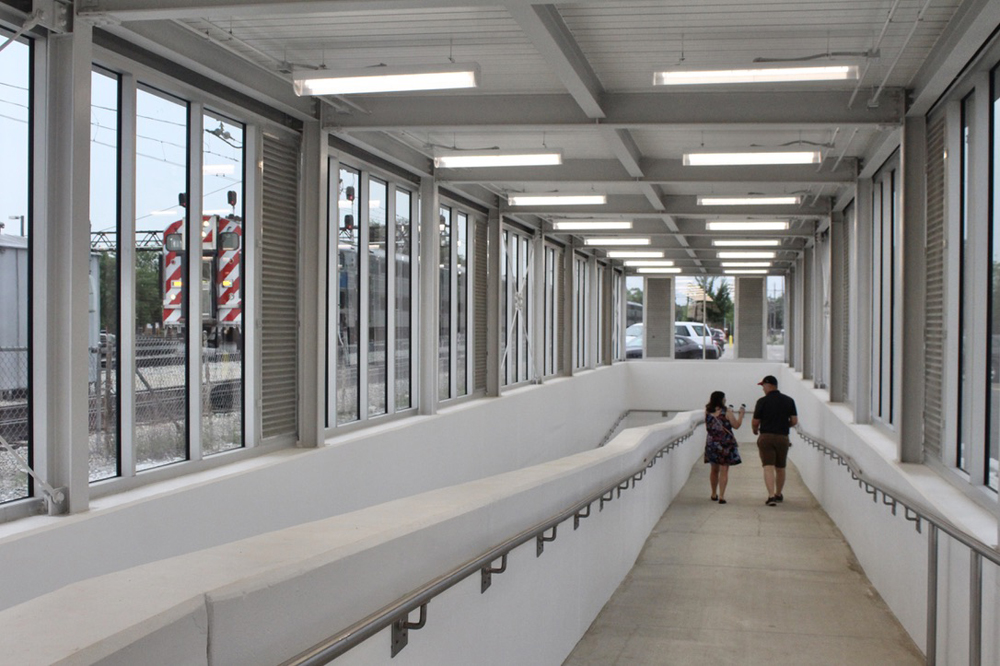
x=920 y=17
x=875 y=49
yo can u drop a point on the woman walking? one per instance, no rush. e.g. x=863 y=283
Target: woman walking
x=721 y=450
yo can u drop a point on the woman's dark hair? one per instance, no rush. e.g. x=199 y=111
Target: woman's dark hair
x=718 y=399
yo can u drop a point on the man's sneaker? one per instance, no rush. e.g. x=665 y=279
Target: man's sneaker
x=771 y=501
x=779 y=498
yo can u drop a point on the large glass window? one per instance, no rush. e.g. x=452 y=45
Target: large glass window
x=885 y=193
x=378 y=315
x=553 y=275
x=993 y=321
x=15 y=248
x=222 y=293
x=347 y=304
x=103 y=328
x=369 y=297
x=581 y=284
x=516 y=295
x=403 y=310
x=160 y=280
x=444 y=305
x=462 y=304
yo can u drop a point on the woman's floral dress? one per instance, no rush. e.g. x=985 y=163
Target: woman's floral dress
x=720 y=445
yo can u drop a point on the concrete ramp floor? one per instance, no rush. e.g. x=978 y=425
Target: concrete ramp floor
x=744 y=583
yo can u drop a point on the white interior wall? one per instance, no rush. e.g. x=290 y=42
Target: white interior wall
x=470 y=440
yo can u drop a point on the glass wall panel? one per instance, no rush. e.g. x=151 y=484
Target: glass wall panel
x=15 y=248
x=462 y=304
x=348 y=329
x=223 y=169
x=582 y=287
x=524 y=308
x=103 y=329
x=378 y=273
x=551 y=310
x=444 y=312
x=506 y=314
x=161 y=335
x=404 y=281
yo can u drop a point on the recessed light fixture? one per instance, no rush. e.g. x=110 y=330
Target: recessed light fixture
x=753 y=158
x=385 y=79
x=756 y=75
x=746 y=271
x=746 y=264
x=782 y=200
x=750 y=225
x=650 y=262
x=747 y=243
x=745 y=255
x=616 y=240
x=556 y=199
x=591 y=225
x=654 y=269
x=470 y=159
x=635 y=254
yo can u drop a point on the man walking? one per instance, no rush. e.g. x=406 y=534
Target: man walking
x=773 y=415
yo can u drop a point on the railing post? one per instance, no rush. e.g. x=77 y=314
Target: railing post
x=975 y=608
x=932 y=594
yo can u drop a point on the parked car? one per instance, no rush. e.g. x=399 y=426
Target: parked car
x=696 y=331
x=719 y=337
x=685 y=347
x=633 y=341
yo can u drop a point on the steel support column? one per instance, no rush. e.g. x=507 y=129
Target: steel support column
x=429 y=296
x=313 y=249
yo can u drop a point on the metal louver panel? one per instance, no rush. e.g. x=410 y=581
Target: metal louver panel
x=479 y=289
x=751 y=306
x=934 y=342
x=279 y=289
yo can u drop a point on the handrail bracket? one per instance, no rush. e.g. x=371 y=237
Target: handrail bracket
x=401 y=629
x=487 y=573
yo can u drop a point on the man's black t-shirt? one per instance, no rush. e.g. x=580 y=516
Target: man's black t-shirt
x=773 y=412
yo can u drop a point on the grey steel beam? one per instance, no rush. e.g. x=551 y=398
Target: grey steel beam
x=655 y=110
x=546 y=30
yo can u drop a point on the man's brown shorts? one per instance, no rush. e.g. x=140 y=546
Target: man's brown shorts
x=773 y=449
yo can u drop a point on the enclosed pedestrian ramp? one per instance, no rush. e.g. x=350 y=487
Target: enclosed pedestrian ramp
x=745 y=583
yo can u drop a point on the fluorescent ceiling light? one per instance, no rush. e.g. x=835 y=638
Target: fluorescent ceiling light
x=745 y=255
x=751 y=225
x=556 y=199
x=385 y=79
x=657 y=270
x=756 y=75
x=590 y=225
x=746 y=264
x=753 y=158
x=620 y=240
x=746 y=243
x=635 y=254
x=469 y=159
x=749 y=201
x=746 y=271
x=649 y=262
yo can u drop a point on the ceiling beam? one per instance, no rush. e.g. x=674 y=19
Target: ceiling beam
x=141 y=10
x=546 y=30
x=628 y=111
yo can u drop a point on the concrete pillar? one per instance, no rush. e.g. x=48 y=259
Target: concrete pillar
x=428 y=298
x=838 y=297
x=658 y=305
x=60 y=236
x=861 y=306
x=314 y=250
x=912 y=262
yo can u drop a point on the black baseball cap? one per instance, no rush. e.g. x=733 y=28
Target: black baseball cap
x=769 y=379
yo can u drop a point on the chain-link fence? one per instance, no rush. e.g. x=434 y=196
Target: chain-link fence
x=13 y=421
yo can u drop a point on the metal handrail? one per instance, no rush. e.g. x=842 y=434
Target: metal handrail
x=396 y=614
x=917 y=513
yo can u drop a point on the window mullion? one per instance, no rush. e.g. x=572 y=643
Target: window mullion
x=127 y=268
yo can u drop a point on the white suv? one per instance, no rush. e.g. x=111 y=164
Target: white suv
x=699 y=333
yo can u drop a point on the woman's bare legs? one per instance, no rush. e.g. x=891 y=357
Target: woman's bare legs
x=713 y=478
x=723 y=480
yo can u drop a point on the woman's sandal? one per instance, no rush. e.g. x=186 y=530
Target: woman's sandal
x=714 y=498
x=722 y=501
